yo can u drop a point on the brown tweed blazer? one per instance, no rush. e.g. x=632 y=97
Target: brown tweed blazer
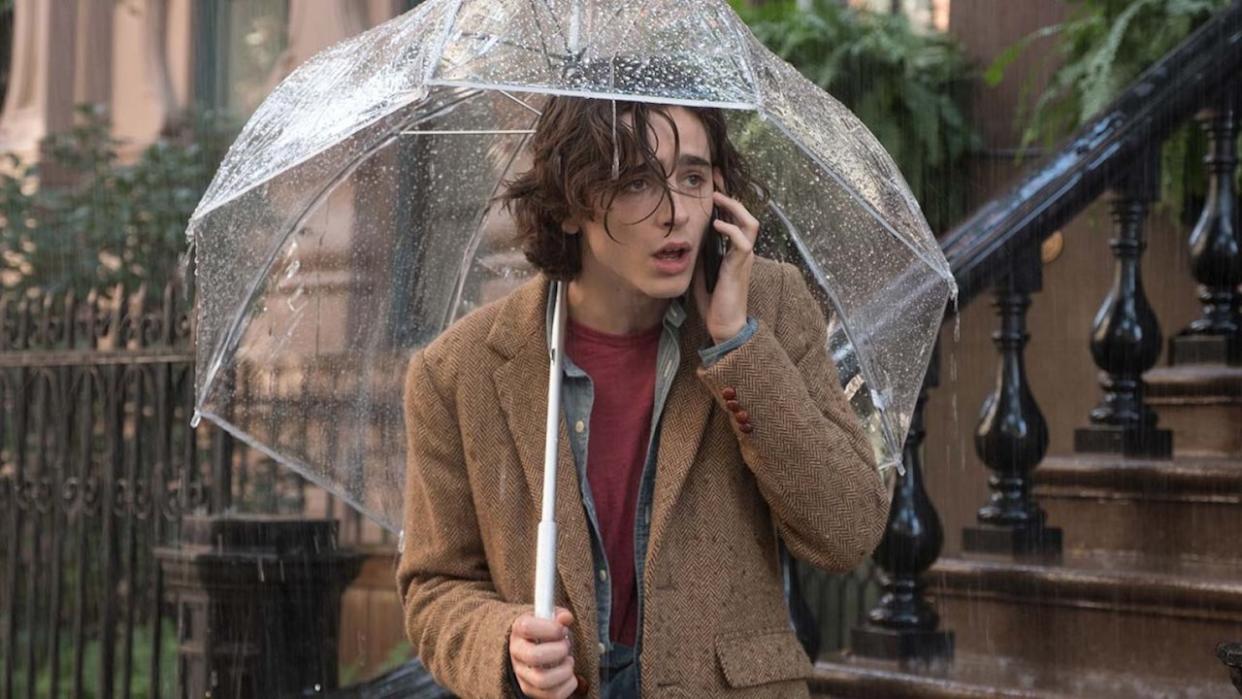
x=715 y=622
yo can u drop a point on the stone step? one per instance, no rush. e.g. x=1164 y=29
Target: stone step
x=1187 y=506
x=976 y=676
x=1160 y=617
x=1202 y=404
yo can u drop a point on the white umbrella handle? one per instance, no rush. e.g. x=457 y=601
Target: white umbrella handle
x=545 y=553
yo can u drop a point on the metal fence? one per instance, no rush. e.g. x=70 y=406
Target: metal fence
x=97 y=465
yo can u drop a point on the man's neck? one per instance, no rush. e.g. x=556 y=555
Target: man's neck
x=613 y=307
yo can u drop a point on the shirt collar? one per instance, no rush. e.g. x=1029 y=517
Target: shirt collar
x=673 y=316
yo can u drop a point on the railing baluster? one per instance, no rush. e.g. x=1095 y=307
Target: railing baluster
x=62 y=421
x=21 y=437
x=904 y=626
x=1012 y=436
x=88 y=498
x=1216 y=247
x=1125 y=338
x=160 y=471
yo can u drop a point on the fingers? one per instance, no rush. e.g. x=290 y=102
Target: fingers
x=542 y=654
x=547 y=653
x=540 y=651
x=555 y=681
x=532 y=628
x=739 y=214
x=741 y=242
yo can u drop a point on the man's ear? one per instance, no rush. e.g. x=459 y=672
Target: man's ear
x=571 y=226
x=718 y=179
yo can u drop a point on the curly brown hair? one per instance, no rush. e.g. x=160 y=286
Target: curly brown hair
x=573 y=174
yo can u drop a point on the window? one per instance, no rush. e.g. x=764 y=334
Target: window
x=240 y=44
x=926 y=15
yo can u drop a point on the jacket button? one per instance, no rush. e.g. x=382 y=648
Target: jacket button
x=742 y=416
x=583 y=687
x=746 y=427
x=729 y=393
x=579 y=427
x=733 y=405
x=602 y=648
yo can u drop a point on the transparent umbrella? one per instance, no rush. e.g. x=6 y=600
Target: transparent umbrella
x=351 y=222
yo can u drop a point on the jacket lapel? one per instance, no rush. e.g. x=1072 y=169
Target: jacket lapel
x=522 y=389
x=682 y=426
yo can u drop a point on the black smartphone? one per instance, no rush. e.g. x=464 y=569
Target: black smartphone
x=714 y=247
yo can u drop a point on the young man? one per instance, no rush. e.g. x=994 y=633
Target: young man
x=699 y=430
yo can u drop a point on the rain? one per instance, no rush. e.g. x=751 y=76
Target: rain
x=256 y=439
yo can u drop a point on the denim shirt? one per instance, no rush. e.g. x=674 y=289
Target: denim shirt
x=577 y=398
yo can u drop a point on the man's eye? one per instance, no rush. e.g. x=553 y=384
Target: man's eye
x=636 y=185
x=695 y=180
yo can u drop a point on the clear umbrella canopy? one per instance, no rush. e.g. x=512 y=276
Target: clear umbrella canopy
x=352 y=220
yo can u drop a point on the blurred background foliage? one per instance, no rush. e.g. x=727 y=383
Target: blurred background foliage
x=81 y=219
x=1100 y=49
x=910 y=88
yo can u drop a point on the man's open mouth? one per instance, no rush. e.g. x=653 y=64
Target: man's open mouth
x=672 y=254
x=673 y=251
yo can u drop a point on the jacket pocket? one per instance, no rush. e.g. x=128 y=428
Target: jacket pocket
x=750 y=658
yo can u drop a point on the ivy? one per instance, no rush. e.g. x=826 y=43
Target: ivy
x=1101 y=48
x=909 y=88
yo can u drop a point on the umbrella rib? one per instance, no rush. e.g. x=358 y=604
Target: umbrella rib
x=508 y=94
x=862 y=201
x=544 y=52
x=302 y=468
x=539 y=27
x=464 y=132
x=511 y=44
x=435 y=59
x=590 y=44
x=745 y=57
x=593 y=94
x=633 y=22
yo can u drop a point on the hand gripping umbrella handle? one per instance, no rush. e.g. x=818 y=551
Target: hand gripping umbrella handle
x=545 y=553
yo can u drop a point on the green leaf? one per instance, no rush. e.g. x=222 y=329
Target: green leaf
x=995 y=72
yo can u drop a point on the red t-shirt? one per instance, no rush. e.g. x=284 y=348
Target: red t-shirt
x=622 y=371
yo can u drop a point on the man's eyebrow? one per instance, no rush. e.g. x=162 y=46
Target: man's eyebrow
x=689 y=160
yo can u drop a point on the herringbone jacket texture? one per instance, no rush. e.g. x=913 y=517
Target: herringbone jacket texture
x=715 y=622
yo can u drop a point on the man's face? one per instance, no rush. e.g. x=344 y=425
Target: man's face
x=644 y=222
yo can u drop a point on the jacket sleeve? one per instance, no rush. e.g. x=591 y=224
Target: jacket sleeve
x=809 y=455
x=456 y=622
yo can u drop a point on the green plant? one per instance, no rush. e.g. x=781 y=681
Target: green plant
x=1102 y=47
x=92 y=654
x=909 y=88
x=80 y=218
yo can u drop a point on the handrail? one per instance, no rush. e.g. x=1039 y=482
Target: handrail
x=1098 y=153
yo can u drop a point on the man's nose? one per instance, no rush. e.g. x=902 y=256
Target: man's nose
x=680 y=213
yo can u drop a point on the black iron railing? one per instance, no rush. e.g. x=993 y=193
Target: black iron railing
x=98 y=467
x=998 y=248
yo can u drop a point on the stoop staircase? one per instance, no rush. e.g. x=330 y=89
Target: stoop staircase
x=1116 y=570
x=1150 y=581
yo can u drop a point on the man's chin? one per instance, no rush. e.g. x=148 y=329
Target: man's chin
x=667 y=288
